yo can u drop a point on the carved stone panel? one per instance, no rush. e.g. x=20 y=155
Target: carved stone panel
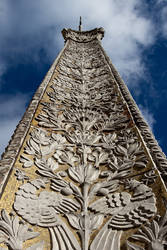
x=84 y=177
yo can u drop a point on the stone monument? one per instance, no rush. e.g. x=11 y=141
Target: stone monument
x=83 y=170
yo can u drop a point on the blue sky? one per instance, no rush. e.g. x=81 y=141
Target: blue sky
x=135 y=40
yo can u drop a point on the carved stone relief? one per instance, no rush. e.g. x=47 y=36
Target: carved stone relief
x=77 y=194
x=94 y=183
x=13 y=232
x=86 y=36
x=153 y=235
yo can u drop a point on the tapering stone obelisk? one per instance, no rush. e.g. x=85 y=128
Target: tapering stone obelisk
x=83 y=170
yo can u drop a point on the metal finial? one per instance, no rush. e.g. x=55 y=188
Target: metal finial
x=80 y=24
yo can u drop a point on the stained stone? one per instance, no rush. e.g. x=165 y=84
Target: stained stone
x=83 y=169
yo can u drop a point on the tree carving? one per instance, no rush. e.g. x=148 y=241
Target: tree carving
x=77 y=190
x=91 y=165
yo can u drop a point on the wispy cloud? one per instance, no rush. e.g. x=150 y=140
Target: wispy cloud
x=148 y=116
x=32 y=25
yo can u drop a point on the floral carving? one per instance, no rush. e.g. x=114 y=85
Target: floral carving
x=14 y=232
x=20 y=175
x=149 y=177
x=84 y=167
x=87 y=151
x=154 y=235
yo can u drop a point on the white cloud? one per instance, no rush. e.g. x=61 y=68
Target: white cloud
x=148 y=116
x=11 y=110
x=34 y=24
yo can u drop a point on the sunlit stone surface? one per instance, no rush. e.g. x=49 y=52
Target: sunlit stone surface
x=82 y=170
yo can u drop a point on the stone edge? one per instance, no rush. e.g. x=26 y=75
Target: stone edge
x=12 y=150
x=157 y=155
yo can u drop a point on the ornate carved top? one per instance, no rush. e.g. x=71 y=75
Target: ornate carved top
x=83 y=36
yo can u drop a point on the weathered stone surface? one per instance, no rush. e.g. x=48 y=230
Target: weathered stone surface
x=83 y=170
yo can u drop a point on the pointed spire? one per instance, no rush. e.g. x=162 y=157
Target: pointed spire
x=80 y=24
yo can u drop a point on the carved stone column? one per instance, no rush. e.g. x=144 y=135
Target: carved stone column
x=83 y=170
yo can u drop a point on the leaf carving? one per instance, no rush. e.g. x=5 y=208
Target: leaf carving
x=132 y=246
x=91 y=173
x=96 y=221
x=75 y=190
x=14 y=232
x=26 y=161
x=74 y=220
x=77 y=173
